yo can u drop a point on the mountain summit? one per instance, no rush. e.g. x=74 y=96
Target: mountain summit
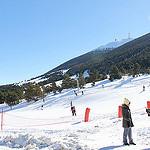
x=114 y=44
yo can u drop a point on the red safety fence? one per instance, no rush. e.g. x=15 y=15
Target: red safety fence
x=10 y=120
x=148 y=104
x=36 y=125
x=86 y=119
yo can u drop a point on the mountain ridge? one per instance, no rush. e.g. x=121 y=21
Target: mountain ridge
x=126 y=55
x=136 y=50
x=80 y=60
x=89 y=55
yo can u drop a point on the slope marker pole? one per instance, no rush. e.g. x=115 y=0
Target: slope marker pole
x=2 y=120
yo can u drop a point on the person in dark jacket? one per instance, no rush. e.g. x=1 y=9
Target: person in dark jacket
x=73 y=110
x=127 y=122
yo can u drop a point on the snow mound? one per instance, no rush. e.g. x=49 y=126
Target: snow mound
x=26 y=141
x=29 y=141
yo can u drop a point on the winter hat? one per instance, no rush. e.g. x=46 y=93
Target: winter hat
x=126 y=101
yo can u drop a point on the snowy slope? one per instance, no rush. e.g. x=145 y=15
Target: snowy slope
x=26 y=126
x=115 y=44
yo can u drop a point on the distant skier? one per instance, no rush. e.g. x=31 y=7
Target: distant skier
x=127 y=123
x=42 y=107
x=143 y=88
x=82 y=93
x=75 y=93
x=73 y=110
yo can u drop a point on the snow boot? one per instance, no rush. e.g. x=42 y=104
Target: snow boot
x=132 y=143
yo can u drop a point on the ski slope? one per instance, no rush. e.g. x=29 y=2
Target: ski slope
x=27 y=126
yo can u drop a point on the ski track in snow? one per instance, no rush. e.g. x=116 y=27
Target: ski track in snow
x=27 y=127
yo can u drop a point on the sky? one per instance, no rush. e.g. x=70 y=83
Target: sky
x=37 y=36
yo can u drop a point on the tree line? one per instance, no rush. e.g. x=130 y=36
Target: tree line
x=13 y=94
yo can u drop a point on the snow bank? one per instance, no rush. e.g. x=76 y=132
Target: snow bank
x=29 y=141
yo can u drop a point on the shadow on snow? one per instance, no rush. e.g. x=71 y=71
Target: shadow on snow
x=110 y=147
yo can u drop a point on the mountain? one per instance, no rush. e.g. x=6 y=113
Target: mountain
x=78 y=64
x=90 y=56
x=124 y=53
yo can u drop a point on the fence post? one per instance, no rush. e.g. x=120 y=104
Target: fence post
x=86 y=119
x=148 y=104
x=2 y=120
x=119 y=112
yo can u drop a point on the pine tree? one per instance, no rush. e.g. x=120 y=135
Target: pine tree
x=12 y=98
x=68 y=82
x=54 y=87
x=123 y=71
x=148 y=70
x=33 y=92
x=2 y=97
x=136 y=69
x=104 y=76
x=114 y=74
x=91 y=77
x=47 y=89
x=97 y=76
x=59 y=89
x=81 y=81
x=38 y=92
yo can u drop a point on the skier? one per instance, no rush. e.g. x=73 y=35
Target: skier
x=75 y=93
x=73 y=110
x=42 y=107
x=143 y=88
x=127 y=123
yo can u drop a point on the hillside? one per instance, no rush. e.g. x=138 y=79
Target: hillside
x=91 y=56
x=27 y=126
x=78 y=64
x=103 y=58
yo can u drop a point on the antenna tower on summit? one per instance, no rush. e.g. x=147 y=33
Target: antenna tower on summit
x=129 y=35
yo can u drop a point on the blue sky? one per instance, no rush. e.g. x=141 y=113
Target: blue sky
x=38 y=35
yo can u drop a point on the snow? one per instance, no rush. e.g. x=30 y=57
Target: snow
x=37 y=80
x=64 y=71
x=85 y=74
x=28 y=127
x=115 y=44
